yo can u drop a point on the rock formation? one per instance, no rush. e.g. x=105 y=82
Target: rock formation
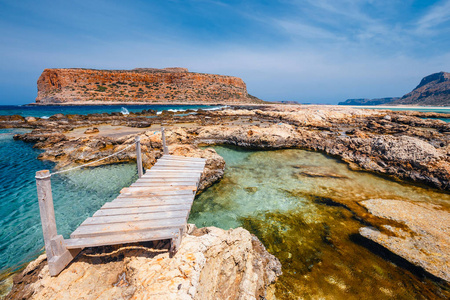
x=170 y=85
x=425 y=240
x=211 y=264
x=365 y=101
x=433 y=90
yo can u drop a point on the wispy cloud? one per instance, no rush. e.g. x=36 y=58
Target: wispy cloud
x=437 y=15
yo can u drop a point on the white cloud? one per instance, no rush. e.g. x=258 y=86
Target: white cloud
x=438 y=14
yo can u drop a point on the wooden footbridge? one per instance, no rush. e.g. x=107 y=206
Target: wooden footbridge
x=155 y=207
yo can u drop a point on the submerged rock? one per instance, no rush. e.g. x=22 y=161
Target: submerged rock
x=211 y=264
x=426 y=240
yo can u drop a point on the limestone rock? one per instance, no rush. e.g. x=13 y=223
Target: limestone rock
x=139 y=85
x=211 y=264
x=425 y=243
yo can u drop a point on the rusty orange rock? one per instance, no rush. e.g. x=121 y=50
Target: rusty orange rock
x=170 y=85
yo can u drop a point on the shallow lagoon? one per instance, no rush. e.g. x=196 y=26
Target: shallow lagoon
x=270 y=194
x=267 y=192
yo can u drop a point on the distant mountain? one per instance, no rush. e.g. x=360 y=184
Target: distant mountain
x=432 y=90
x=368 y=101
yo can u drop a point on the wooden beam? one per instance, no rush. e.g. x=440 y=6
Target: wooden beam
x=117 y=239
x=143 y=203
x=138 y=156
x=135 y=217
x=141 y=210
x=125 y=228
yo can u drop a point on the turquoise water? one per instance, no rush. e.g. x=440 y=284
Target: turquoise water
x=266 y=192
x=270 y=194
x=76 y=197
x=47 y=111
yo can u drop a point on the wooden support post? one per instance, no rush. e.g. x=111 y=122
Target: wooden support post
x=57 y=254
x=175 y=243
x=139 y=156
x=165 y=149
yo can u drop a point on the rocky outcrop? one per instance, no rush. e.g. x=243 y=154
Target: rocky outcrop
x=365 y=101
x=175 y=85
x=433 y=90
x=211 y=264
x=425 y=240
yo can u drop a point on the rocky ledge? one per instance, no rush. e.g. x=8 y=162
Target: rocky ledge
x=422 y=238
x=211 y=264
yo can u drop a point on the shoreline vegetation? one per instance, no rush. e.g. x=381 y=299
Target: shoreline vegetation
x=401 y=145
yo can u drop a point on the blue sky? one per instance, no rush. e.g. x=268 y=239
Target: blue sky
x=318 y=51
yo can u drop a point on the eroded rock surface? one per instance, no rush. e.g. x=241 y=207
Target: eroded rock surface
x=426 y=240
x=211 y=264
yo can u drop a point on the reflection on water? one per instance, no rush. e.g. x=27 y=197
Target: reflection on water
x=282 y=197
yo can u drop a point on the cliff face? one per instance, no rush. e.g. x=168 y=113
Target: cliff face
x=139 y=85
x=434 y=90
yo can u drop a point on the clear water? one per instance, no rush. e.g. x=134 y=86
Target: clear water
x=267 y=193
x=76 y=196
x=47 y=111
x=263 y=191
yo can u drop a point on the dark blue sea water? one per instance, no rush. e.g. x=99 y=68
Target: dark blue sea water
x=47 y=111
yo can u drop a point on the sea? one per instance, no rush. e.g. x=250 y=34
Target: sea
x=262 y=191
x=47 y=111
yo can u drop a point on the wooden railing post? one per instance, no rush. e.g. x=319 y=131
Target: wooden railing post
x=58 y=256
x=165 y=149
x=45 y=198
x=139 y=156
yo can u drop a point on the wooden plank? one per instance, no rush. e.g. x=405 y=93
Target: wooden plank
x=179 y=164
x=122 y=198
x=141 y=210
x=163 y=176
x=155 y=194
x=157 y=179
x=183 y=159
x=173 y=184
x=172 y=160
x=152 y=235
x=127 y=227
x=140 y=203
x=168 y=183
x=175 y=168
x=186 y=158
x=170 y=171
x=135 y=217
x=151 y=189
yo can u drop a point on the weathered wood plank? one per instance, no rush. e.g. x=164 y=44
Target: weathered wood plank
x=173 y=163
x=151 y=189
x=170 y=162
x=141 y=203
x=135 y=217
x=155 y=194
x=177 y=157
x=170 y=171
x=159 y=179
x=154 y=235
x=163 y=185
x=163 y=176
x=126 y=227
x=141 y=210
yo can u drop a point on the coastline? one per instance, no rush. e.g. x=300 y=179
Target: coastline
x=356 y=136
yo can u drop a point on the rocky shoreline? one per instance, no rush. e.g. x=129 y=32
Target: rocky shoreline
x=411 y=146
